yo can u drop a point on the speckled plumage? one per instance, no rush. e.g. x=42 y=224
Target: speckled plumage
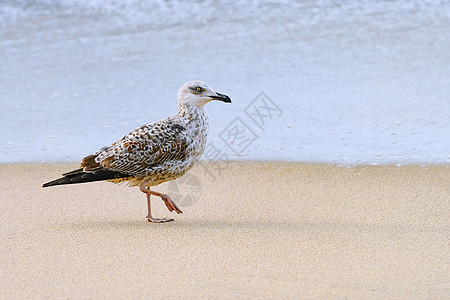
x=155 y=152
x=159 y=151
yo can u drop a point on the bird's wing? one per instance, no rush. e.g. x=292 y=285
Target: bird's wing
x=142 y=150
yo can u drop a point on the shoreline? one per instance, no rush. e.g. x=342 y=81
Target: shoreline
x=248 y=229
x=265 y=161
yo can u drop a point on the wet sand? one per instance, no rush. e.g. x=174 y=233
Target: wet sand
x=250 y=230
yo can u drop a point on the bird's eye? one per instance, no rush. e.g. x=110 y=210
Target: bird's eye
x=199 y=89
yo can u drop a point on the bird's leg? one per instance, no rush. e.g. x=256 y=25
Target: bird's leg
x=169 y=203
x=149 y=215
x=148 y=192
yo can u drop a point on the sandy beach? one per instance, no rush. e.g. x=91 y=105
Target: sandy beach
x=249 y=231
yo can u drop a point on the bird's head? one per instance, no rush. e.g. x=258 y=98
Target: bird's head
x=198 y=93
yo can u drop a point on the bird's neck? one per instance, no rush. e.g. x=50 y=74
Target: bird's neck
x=196 y=123
x=191 y=113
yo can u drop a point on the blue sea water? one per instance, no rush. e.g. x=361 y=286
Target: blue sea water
x=347 y=82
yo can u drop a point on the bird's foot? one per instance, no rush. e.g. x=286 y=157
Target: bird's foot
x=155 y=220
x=171 y=206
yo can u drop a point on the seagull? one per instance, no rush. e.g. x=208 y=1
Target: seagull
x=155 y=152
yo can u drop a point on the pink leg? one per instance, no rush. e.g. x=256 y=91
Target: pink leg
x=171 y=206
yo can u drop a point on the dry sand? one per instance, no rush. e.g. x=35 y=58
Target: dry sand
x=254 y=231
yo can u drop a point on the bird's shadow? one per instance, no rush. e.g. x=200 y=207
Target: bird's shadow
x=180 y=224
x=271 y=225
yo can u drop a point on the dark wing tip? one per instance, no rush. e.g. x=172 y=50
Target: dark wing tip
x=59 y=181
x=82 y=177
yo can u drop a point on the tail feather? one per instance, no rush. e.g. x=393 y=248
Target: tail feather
x=80 y=176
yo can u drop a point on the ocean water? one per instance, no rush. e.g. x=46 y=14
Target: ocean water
x=346 y=82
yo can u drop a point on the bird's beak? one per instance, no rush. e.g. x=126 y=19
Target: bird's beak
x=221 y=97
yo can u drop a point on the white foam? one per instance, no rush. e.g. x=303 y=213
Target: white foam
x=356 y=82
